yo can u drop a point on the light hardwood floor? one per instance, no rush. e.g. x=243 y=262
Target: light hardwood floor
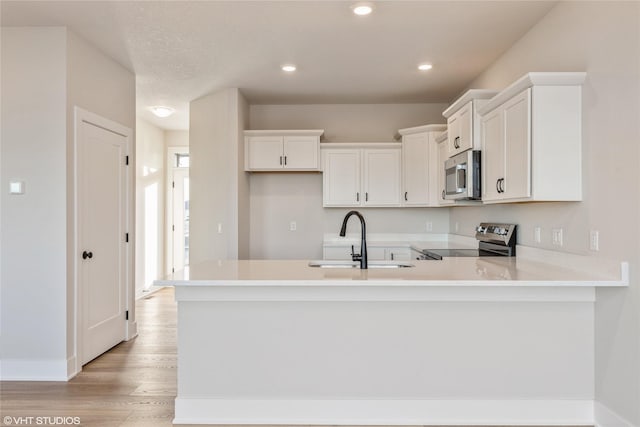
x=133 y=384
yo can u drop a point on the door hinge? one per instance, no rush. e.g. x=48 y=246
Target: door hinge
x=126 y=237
x=126 y=315
x=173 y=228
x=173 y=270
x=126 y=160
x=173 y=184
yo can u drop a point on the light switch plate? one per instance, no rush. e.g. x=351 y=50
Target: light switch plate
x=594 y=240
x=16 y=187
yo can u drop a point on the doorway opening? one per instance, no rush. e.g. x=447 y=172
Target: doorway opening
x=178 y=209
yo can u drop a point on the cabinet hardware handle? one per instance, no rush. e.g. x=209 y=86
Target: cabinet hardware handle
x=366 y=196
x=280 y=160
x=357 y=197
x=502 y=185
x=285 y=160
x=456 y=142
x=86 y=255
x=391 y=256
x=442 y=194
x=405 y=197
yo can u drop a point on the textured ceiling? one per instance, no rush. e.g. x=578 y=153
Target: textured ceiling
x=182 y=50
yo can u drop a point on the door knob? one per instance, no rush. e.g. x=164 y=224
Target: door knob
x=86 y=255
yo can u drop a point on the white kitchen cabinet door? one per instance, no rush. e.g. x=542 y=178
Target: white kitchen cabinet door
x=264 y=153
x=443 y=155
x=493 y=155
x=382 y=177
x=460 y=127
x=517 y=149
x=341 y=177
x=506 y=150
x=415 y=166
x=301 y=152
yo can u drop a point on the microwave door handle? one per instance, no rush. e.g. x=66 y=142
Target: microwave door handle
x=459 y=187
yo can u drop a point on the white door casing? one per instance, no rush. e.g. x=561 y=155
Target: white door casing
x=103 y=246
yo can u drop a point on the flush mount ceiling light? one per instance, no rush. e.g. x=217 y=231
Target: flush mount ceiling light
x=425 y=67
x=162 y=111
x=289 y=68
x=362 y=8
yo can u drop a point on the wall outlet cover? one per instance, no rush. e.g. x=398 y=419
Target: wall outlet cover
x=537 y=234
x=556 y=236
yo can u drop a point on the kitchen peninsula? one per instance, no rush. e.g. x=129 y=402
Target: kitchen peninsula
x=460 y=341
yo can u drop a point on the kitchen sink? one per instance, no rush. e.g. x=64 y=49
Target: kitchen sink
x=356 y=264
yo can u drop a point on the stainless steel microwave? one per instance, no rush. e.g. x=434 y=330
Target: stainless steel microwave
x=462 y=176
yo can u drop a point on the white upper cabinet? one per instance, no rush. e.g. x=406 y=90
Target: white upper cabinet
x=361 y=174
x=532 y=140
x=442 y=142
x=420 y=165
x=278 y=150
x=341 y=177
x=382 y=176
x=463 y=121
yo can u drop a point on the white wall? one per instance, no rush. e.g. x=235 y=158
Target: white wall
x=347 y=122
x=176 y=138
x=46 y=71
x=151 y=177
x=34 y=225
x=216 y=181
x=279 y=198
x=603 y=39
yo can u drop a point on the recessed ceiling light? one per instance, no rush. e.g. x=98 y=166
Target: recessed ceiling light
x=425 y=67
x=288 y=68
x=362 y=8
x=162 y=111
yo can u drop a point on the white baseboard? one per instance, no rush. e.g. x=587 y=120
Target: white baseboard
x=36 y=370
x=605 y=417
x=384 y=412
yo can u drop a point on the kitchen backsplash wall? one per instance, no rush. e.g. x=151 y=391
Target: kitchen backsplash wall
x=277 y=199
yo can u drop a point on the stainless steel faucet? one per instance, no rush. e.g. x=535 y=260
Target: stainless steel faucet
x=362 y=256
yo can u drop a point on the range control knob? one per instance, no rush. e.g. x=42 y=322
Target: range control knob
x=481 y=229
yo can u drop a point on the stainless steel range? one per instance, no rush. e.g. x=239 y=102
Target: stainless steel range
x=493 y=240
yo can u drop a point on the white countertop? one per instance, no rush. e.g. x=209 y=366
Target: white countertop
x=466 y=271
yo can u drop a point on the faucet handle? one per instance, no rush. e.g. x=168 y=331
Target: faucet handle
x=354 y=255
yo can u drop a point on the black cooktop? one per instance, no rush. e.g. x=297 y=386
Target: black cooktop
x=485 y=249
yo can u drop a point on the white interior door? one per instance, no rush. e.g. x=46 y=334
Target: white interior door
x=102 y=254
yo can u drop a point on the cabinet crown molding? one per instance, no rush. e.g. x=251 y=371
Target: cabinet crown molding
x=533 y=79
x=305 y=132
x=469 y=95
x=424 y=128
x=442 y=137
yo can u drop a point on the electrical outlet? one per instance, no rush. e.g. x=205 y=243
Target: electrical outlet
x=429 y=226
x=293 y=226
x=556 y=236
x=537 y=234
x=594 y=240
